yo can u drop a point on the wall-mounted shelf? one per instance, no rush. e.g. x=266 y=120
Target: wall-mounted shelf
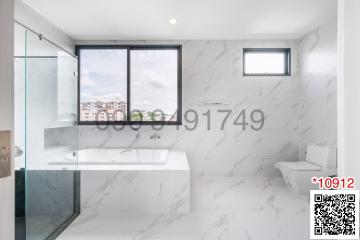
x=215 y=104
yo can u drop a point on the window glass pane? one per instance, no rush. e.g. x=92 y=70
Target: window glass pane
x=265 y=63
x=153 y=84
x=103 y=79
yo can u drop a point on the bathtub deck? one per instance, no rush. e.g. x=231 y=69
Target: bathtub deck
x=150 y=189
x=177 y=161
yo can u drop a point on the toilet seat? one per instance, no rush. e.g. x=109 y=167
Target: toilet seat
x=298 y=166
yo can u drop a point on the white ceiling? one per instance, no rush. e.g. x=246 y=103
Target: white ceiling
x=196 y=19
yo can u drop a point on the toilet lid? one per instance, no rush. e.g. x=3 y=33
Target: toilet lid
x=299 y=166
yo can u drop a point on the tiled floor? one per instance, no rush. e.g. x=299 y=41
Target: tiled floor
x=222 y=209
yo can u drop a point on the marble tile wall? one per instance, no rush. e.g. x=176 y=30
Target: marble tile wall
x=318 y=64
x=212 y=72
x=298 y=109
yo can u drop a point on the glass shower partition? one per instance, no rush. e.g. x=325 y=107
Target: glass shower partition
x=48 y=76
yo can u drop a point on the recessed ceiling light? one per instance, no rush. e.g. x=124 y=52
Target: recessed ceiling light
x=172 y=21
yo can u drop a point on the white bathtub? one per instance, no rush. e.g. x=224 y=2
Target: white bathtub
x=98 y=156
x=123 y=156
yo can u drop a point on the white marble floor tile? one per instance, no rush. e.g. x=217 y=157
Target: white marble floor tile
x=225 y=208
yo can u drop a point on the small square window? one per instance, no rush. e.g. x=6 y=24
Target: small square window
x=267 y=62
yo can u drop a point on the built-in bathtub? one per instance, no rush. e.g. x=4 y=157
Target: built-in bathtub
x=123 y=156
x=115 y=181
x=100 y=156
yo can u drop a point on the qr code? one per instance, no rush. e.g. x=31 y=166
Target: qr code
x=334 y=214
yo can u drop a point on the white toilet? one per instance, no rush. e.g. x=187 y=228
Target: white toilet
x=320 y=161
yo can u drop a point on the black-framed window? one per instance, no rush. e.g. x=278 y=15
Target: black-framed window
x=129 y=84
x=267 y=61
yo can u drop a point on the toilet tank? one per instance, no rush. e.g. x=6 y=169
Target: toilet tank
x=323 y=156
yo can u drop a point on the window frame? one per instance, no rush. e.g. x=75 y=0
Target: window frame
x=128 y=121
x=287 y=60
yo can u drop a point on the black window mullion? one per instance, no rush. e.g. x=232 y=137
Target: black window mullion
x=179 y=86
x=128 y=119
x=288 y=62
x=286 y=65
x=77 y=53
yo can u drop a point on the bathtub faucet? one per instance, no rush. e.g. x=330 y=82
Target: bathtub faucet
x=155 y=136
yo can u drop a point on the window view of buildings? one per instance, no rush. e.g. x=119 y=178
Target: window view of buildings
x=103 y=111
x=116 y=111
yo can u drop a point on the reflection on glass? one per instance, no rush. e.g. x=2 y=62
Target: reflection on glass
x=66 y=87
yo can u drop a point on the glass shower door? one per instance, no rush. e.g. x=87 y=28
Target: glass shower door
x=50 y=90
x=19 y=131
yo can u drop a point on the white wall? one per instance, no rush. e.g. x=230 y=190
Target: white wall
x=35 y=21
x=349 y=88
x=7 y=201
x=318 y=73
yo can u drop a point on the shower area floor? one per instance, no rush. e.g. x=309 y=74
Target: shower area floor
x=227 y=208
